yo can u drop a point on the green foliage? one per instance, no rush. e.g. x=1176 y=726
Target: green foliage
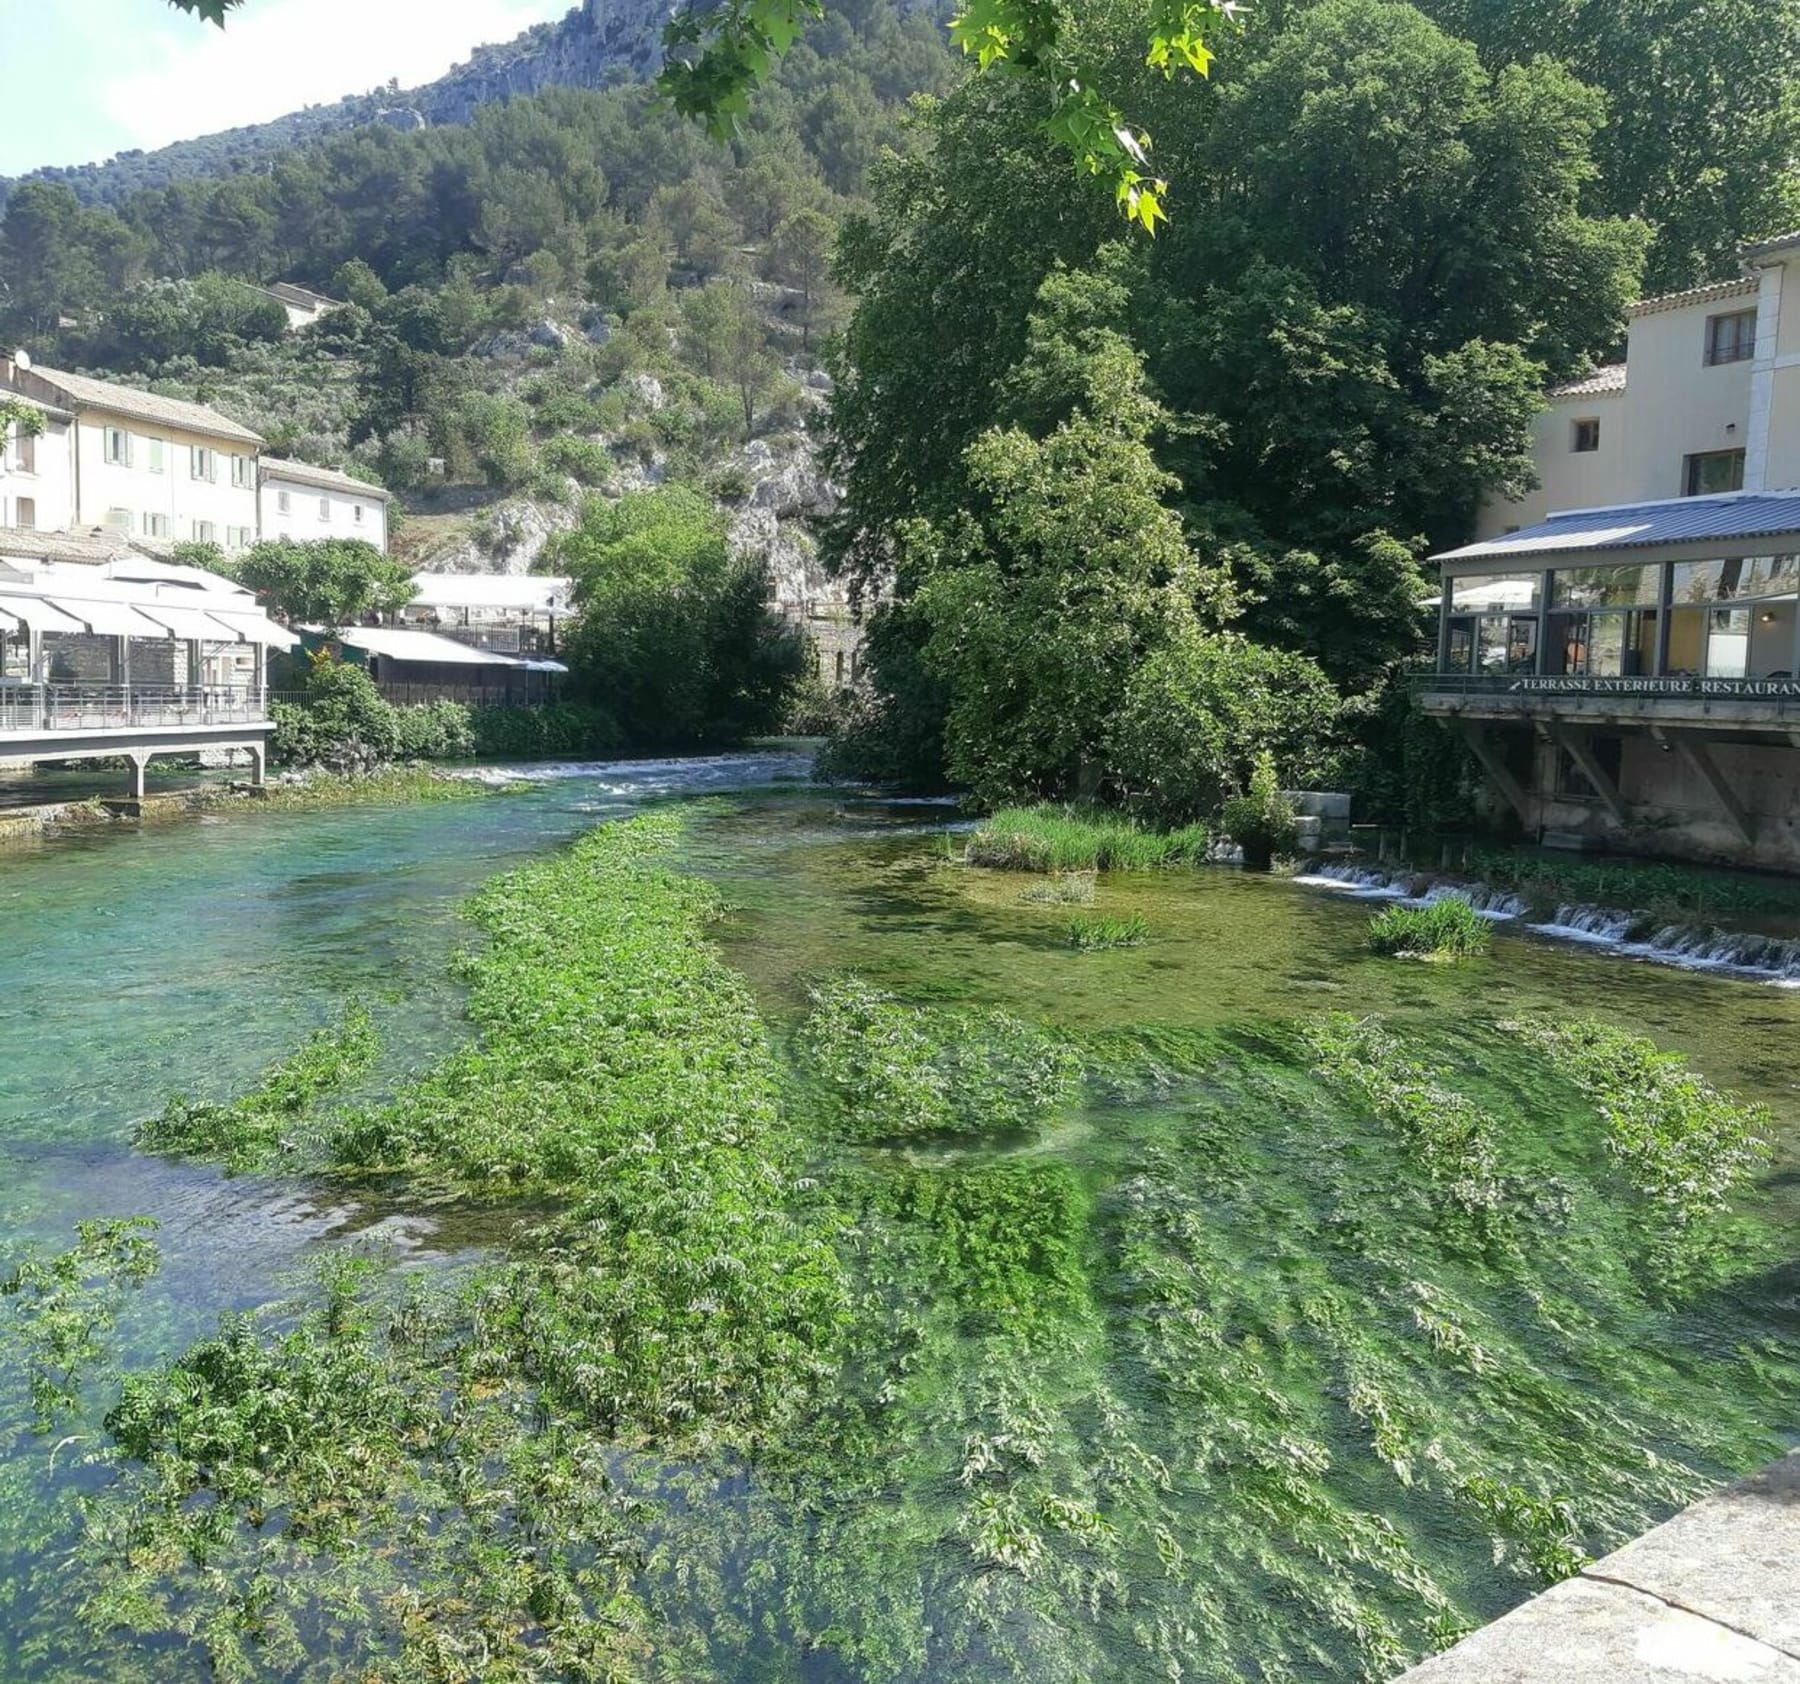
x=583 y=460
x=66 y=1306
x=675 y=640
x=1261 y=820
x=207 y=319
x=329 y=581
x=1199 y=715
x=1447 y=928
x=1454 y=1139
x=1057 y=839
x=342 y=722
x=1684 y=1145
x=1651 y=886
x=1096 y=933
x=259 y=1127
x=897 y=1072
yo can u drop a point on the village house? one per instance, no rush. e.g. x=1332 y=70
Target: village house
x=303 y=305
x=299 y=501
x=130 y=462
x=1620 y=648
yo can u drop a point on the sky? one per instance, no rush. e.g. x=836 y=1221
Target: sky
x=84 y=79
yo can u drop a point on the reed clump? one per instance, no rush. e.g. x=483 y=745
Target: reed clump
x=1068 y=839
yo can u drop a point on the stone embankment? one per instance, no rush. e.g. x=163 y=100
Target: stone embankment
x=1710 y=1597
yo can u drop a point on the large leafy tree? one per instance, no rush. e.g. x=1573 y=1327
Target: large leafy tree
x=674 y=637
x=329 y=582
x=1702 y=137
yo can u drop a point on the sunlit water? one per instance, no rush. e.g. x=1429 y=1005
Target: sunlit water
x=188 y=957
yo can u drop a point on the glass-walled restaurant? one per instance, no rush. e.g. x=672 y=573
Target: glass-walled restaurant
x=1687 y=619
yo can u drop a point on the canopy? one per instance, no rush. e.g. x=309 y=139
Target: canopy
x=396 y=644
x=248 y=626
x=40 y=615
x=189 y=623
x=107 y=619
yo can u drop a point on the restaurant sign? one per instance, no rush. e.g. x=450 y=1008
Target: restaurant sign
x=1737 y=689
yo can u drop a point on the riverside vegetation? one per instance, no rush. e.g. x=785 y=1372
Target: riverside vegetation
x=911 y=1333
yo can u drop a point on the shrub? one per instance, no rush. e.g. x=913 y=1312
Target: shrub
x=580 y=459
x=1261 y=820
x=1442 y=929
x=1095 y=933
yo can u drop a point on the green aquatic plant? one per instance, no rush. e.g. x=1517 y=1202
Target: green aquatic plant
x=1094 y=933
x=1261 y=820
x=1454 y=1139
x=1447 y=928
x=274 y=1119
x=1065 y=839
x=893 y=1071
x=1064 y=888
x=1686 y=1146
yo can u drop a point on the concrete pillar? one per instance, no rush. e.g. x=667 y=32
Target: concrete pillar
x=1665 y=600
x=140 y=764
x=258 y=764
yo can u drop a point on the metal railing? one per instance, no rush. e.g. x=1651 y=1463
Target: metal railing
x=106 y=707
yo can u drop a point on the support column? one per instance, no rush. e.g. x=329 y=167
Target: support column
x=1546 y=581
x=1576 y=744
x=258 y=765
x=1665 y=603
x=1496 y=769
x=1443 y=660
x=1698 y=759
x=140 y=764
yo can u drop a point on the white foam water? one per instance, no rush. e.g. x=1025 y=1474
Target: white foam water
x=1771 y=959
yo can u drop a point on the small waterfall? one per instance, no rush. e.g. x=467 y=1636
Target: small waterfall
x=1693 y=947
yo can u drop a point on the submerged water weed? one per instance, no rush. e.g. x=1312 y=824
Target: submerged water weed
x=275 y=1118
x=1685 y=1145
x=895 y=1072
x=1447 y=928
x=1064 y=888
x=1080 y=839
x=1095 y=934
x=1454 y=1140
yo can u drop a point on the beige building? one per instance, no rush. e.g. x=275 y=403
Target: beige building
x=302 y=502
x=1621 y=650
x=1706 y=401
x=140 y=465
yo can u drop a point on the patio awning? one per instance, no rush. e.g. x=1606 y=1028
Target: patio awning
x=39 y=615
x=248 y=626
x=189 y=623
x=106 y=619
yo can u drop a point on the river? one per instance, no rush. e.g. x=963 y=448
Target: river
x=186 y=957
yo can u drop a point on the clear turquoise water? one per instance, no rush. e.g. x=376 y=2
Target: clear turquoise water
x=188 y=957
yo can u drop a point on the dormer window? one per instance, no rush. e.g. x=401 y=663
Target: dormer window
x=1584 y=435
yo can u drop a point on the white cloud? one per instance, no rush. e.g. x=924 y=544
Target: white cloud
x=275 y=56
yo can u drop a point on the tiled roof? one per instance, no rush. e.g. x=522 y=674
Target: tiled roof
x=327 y=479
x=1711 y=293
x=1611 y=378
x=93 y=547
x=1778 y=242
x=1629 y=526
x=305 y=297
x=87 y=393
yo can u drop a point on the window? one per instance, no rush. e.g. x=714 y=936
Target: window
x=243 y=472
x=325 y=508
x=25 y=450
x=284 y=502
x=156 y=526
x=1585 y=435
x=237 y=537
x=1605 y=587
x=1732 y=338
x=356 y=513
x=202 y=462
x=1740 y=577
x=1711 y=472
x=203 y=532
x=1487 y=593
x=117 y=447
x=25 y=512
x=153 y=455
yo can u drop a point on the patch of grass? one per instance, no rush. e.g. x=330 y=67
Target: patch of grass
x=1442 y=929
x=1672 y=890
x=391 y=787
x=1094 y=933
x=1064 y=839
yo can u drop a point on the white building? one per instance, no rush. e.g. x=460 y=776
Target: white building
x=139 y=465
x=1707 y=400
x=303 y=305
x=37 y=470
x=514 y=613
x=302 y=502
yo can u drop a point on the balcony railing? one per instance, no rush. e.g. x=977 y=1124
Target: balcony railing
x=32 y=708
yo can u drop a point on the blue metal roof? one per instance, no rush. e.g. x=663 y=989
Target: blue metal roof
x=1626 y=526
